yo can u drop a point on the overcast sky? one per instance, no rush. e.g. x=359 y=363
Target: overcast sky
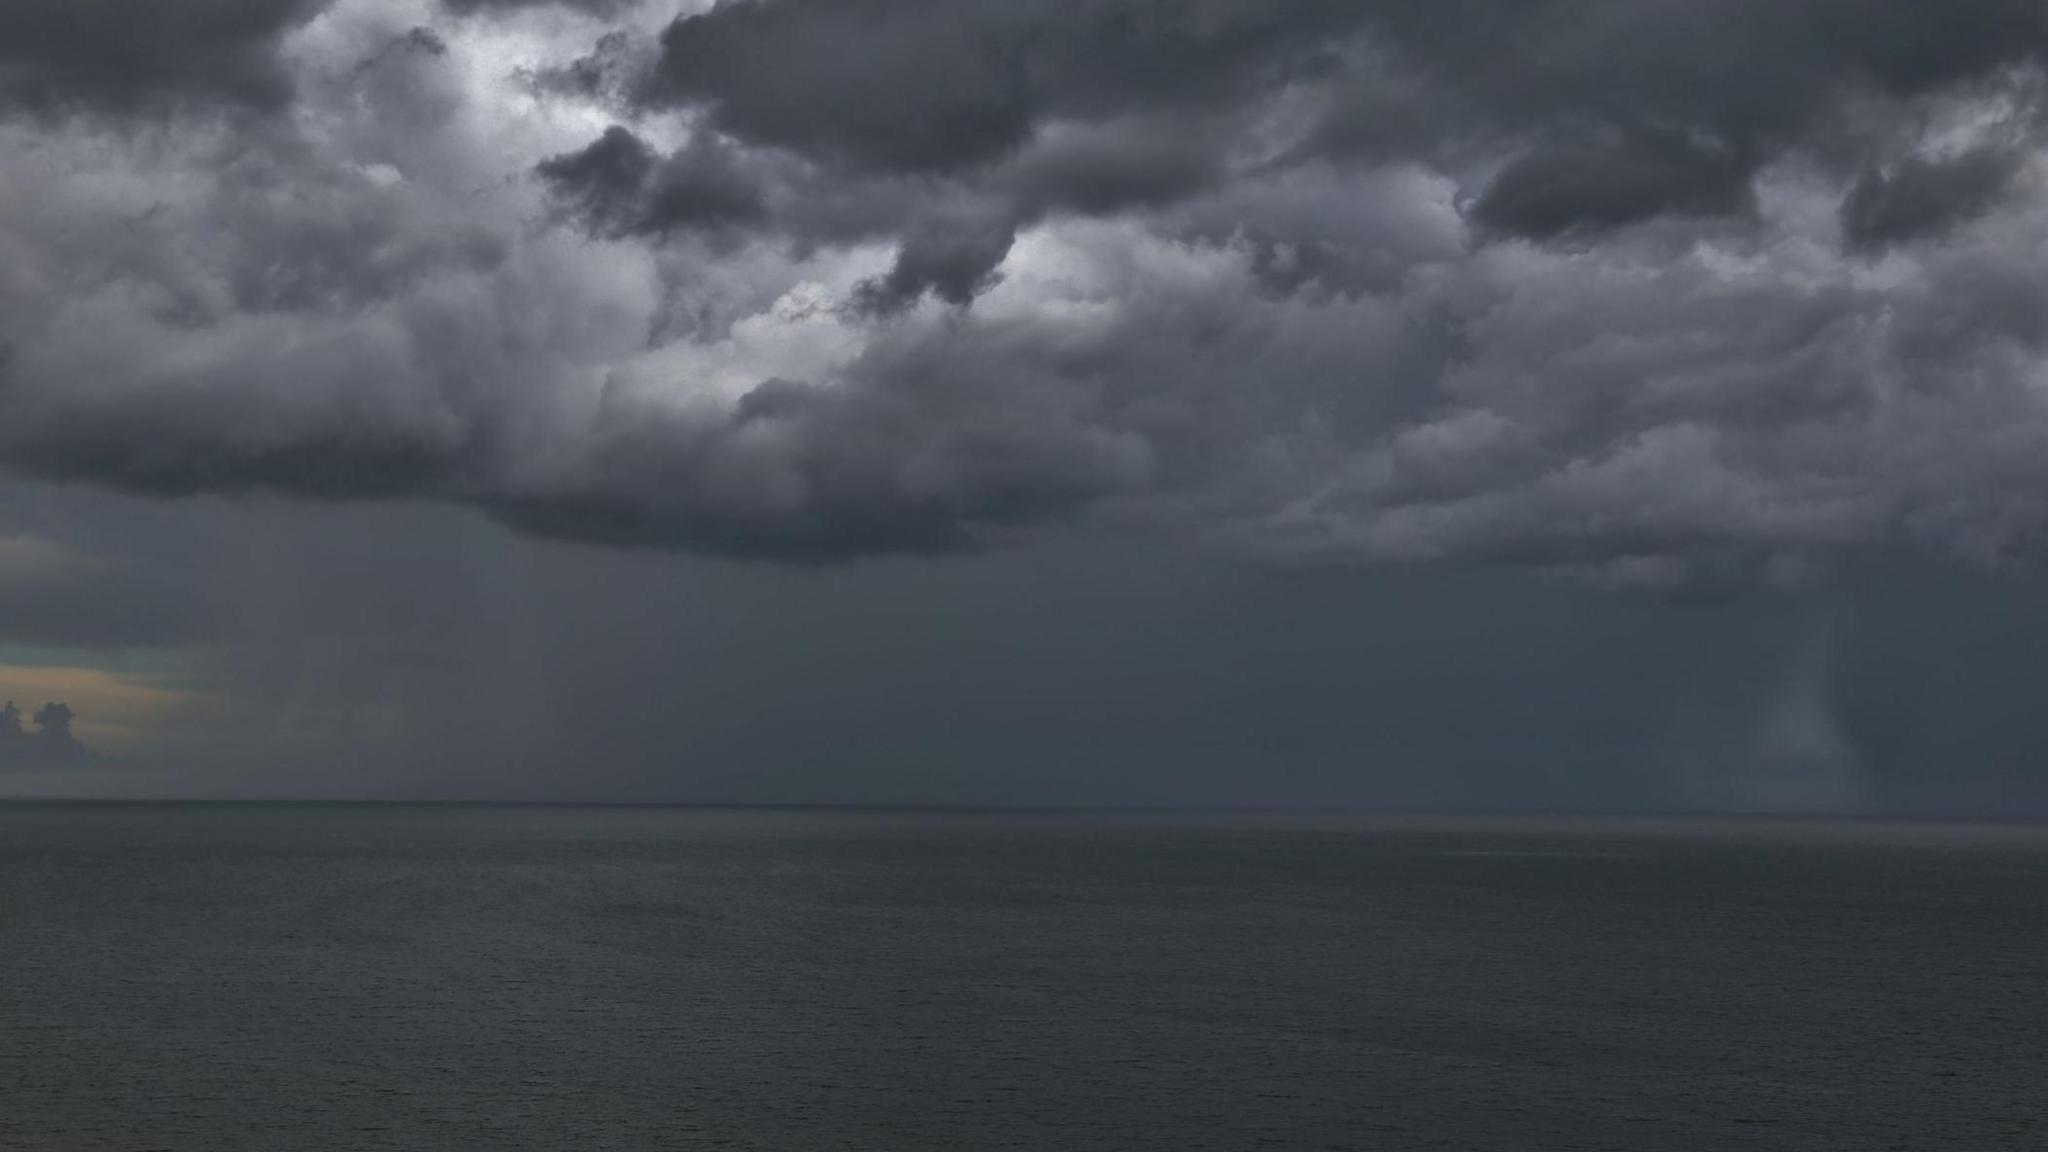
x=1611 y=404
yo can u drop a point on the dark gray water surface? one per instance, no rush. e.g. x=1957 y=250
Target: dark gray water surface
x=308 y=977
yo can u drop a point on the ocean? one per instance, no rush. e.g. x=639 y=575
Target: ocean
x=293 y=977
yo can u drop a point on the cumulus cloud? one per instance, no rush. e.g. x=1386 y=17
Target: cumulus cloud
x=1636 y=290
x=49 y=743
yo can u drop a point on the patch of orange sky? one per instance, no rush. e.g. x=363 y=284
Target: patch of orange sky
x=116 y=714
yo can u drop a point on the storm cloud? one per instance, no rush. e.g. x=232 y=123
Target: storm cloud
x=1921 y=198
x=1635 y=290
x=105 y=55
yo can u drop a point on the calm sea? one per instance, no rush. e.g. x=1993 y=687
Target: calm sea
x=361 y=977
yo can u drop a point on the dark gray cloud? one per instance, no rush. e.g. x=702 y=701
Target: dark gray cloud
x=1214 y=391
x=1666 y=107
x=1558 y=285
x=953 y=261
x=415 y=651
x=40 y=740
x=933 y=86
x=589 y=7
x=1746 y=79
x=105 y=55
x=607 y=182
x=810 y=473
x=1920 y=198
x=1562 y=187
x=619 y=185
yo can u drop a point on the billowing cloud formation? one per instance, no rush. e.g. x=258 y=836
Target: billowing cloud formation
x=49 y=744
x=1646 y=290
